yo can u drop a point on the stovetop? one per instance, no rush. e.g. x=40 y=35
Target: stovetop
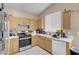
x=23 y=35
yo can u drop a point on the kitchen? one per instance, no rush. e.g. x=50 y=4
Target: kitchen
x=51 y=32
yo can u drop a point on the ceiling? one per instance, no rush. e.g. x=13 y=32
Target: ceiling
x=34 y=8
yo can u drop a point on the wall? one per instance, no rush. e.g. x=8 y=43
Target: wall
x=61 y=7
x=75 y=28
x=19 y=13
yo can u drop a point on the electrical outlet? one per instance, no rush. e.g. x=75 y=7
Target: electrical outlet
x=77 y=33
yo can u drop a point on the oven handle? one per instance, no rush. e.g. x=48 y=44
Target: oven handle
x=25 y=38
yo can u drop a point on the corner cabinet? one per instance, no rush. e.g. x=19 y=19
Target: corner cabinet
x=11 y=46
x=43 y=42
x=34 y=40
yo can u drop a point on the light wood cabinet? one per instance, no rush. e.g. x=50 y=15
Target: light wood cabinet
x=8 y=47
x=39 y=41
x=48 y=45
x=52 y=46
x=15 y=45
x=43 y=42
x=11 y=46
x=14 y=21
x=33 y=24
x=34 y=40
x=68 y=47
x=67 y=19
x=41 y=23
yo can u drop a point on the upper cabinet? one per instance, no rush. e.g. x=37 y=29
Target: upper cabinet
x=15 y=21
x=53 y=21
x=33 y=25
x=41 y=23
x=67 y=19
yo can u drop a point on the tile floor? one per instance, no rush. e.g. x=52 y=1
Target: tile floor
x=33 y=51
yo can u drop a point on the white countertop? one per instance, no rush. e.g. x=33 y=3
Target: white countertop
x=48 y=36
x=11 y=37
x=68 y=39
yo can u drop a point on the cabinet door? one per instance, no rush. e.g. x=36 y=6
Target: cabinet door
x=8 y=46
x=34 y=40
x=42 y=40
x=33 y=24
x=39 y=40
x=68 y=47
x=48 y=44
x=67 y=19
x=15 y=45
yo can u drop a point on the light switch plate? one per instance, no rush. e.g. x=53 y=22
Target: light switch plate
x=77 y=33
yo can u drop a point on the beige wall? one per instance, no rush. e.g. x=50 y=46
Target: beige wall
x=60 y=7
x=19 y=13
x=75 y=27
x=74 y=21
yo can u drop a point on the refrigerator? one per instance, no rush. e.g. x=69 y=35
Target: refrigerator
x=4 y=31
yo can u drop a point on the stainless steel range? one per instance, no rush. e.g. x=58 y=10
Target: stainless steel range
x=25 y=41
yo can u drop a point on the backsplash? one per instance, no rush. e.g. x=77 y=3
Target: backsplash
x=68 y=32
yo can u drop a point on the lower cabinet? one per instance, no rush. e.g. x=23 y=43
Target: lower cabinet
x=8 y=46
x=43 y=42
x=34 y=40
x=15 y=45
x=48 y=45
x=53 y=46
x=11 y=46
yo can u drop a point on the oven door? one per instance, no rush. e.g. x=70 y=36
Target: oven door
x=24 y=42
